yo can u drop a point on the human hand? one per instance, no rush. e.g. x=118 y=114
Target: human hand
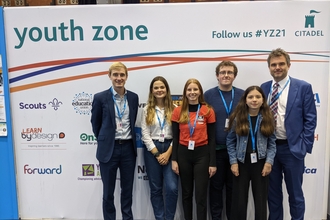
x=234 y=169
x=163 y=159
x=267 y=169
x=175 y=167
x=212 y=171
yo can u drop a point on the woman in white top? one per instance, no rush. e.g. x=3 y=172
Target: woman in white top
x=157 y=137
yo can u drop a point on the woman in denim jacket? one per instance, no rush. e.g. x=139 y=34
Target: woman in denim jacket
x=251 y=148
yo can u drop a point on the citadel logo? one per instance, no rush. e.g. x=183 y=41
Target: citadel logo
x=309 y=19
x=309 y=23
x=82 y=103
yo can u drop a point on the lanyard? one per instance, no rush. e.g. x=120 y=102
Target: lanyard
x=161 y=125
x=228 y=110
x=278 y=94
x=120 y=114
x=192 y=129
x=253 y=135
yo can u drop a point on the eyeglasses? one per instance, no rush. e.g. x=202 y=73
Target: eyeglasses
x=229 y=73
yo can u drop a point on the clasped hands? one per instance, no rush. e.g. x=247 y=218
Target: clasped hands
x=163 y=159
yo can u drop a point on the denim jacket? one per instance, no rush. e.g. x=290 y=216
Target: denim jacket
x=236 y=145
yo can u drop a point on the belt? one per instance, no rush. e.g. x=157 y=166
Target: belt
x=117 y=142
x=281 y=141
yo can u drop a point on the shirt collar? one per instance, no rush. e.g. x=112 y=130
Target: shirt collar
x=282 y=82
x=116 y=94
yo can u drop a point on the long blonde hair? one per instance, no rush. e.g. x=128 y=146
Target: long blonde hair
x=184 y=117
x=168 y=104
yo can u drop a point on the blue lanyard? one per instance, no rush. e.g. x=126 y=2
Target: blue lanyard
x=278 y=94
x=253 y=135
x=161 y=125
x=224 y=101
x=192 y=129
x=120 y=114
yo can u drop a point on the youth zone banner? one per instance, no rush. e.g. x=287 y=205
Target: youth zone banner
x=58 y=59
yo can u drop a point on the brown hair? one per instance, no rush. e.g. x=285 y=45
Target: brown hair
x=240 y=115
x=168 y=104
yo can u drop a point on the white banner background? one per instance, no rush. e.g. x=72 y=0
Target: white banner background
x=53 y=82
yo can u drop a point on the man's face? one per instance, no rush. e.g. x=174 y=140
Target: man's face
x=118 y=78
x=278 y=68
x=226 y=76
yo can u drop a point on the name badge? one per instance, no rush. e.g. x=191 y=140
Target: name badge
x=191 y=145
x=119 y=127
x=161 y=137
x=254 y=157
x=200 y=119
x=227 y=123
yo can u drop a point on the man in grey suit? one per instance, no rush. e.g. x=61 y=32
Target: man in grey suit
x=113 y=119
x=293 y=106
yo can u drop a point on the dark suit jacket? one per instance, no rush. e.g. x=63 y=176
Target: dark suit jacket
x=104 y=123
x=300 y=116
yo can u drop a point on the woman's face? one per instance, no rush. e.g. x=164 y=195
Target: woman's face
x=193 y=93
x=159 y=90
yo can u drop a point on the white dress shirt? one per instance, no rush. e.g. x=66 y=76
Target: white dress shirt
x=152 y=132
x=282 y=102
x=125 y=132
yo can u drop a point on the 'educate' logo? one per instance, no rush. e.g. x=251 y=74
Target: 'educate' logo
x=82 y=103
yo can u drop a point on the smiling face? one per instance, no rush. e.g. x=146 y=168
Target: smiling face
x=254 y=100
x=226 y=77
x=159 y=90
x=192 y=93
x=278 y=68
x=118 y=78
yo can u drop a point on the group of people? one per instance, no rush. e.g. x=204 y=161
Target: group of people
x=225 y=137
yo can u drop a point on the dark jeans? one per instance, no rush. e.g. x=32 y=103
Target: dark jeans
x=194 y=170
x=124 y=158
x=222 y=177
x=163 y=184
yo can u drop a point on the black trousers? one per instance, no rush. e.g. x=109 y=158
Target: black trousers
x=250 y=172
x=223 y=177
x=194 y=170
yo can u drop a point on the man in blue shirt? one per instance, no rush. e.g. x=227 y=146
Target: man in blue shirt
x=223 y=98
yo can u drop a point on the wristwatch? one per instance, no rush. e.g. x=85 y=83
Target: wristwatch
x=157 y=154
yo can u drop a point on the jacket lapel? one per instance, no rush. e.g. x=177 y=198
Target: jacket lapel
x=111 y=107
x=293 y=91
